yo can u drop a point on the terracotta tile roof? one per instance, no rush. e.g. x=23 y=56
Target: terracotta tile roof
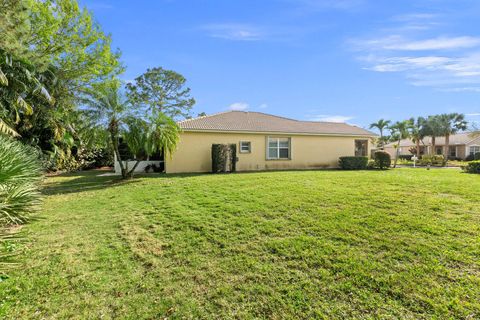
x=261 y=122
x=459 y=138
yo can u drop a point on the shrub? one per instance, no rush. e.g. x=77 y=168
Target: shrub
x=20 y=173
x=407 y=157
x=433 y=160
x=382 y=160
x=371 y=164
x=353 y=163
x=472 y=167
x=472 y=157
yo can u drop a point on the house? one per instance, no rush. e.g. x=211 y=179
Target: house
x=266 y=142
x=461 y=146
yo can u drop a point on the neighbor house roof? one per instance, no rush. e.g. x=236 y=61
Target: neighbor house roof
x=245 y=121
x=455 y=139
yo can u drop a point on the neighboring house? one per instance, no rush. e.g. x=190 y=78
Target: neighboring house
x=461 y=145
x=266 y=142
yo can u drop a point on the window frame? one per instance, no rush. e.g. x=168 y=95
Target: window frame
x=249 y=146
x=267 y=148
x=470 y=149
x=454 y=149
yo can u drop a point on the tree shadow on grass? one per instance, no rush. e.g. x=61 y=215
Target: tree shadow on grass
x=80 y=182
x=90 y=180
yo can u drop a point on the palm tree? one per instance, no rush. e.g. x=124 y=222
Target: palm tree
x=431 y=127
x=147 y=134
x=399 y=131
x=417 y=132
x=381 y=125
x=20 y=87
x=451 y=123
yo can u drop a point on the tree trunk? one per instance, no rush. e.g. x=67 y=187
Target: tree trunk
x=432 y=152
x=398 y=154
x=446 y=152
x=132 y=172
x=418 y=148
x=117 y=153
x=381 y=140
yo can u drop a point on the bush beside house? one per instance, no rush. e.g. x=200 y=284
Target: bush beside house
x=382 y=160
x=472 y=167
x=432 y=160
x=353 y=163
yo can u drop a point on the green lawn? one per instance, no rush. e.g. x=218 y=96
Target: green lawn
x=401 y=243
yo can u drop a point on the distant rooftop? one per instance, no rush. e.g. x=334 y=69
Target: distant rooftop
x=459 y=138
x=243 y=121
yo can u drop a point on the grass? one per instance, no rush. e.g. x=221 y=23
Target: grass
x=308 y=244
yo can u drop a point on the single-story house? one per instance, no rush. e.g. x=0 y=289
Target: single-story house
x=266 y=142
x=263 y=142
x=461 y=145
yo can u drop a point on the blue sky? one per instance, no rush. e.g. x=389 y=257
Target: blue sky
x=341 y=60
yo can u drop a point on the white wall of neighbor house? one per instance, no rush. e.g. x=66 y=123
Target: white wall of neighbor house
x=140 y=167
x=306 y=151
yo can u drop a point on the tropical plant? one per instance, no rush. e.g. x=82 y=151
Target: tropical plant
x=450 y=123
x=399 y=131
x=20 y=175
x=381 y=125
x=21 y=88
x=417 y=132
x=149 y=134
x=60 y=45
x=431 y=127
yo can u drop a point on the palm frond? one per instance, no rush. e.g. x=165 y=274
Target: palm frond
x=7 y=130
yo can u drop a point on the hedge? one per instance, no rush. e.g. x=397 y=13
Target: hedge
x=353 y=163
x=433 y=160
x=472 y=167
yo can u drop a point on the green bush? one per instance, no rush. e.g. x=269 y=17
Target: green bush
x=20 y=174
x=353 y=163
x=472 y=167
x=382 y=160
x=433 y=160
x=407 y=157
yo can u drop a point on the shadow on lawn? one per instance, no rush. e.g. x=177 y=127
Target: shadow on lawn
x=92 y=180
x=81 y=181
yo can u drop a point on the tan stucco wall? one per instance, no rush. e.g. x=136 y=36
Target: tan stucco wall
x=194 y=151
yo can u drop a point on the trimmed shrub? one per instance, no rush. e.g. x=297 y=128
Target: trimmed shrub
x=407 y=157
x=472 y=167
x=382 y=160
x=353 y=163
x=433 y=160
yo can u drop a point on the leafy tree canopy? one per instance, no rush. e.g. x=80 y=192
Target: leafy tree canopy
x=161 y=91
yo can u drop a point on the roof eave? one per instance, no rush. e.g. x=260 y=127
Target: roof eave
x=281 y=133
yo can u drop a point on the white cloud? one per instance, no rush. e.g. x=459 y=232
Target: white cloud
x=472 y=114
x=239 y=106
x=443 y=62
x=234 y=31
x=330 y=118
x=400 y=43
x=263 y=106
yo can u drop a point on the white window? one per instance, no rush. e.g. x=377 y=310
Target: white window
x=474 y=150
x=278 y=148
x=245 y=147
